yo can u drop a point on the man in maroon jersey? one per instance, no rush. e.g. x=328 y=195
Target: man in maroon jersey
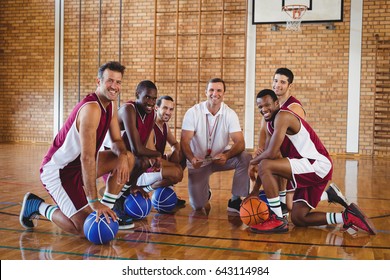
x=73 y=162
x=171 y=171
x=307 y=166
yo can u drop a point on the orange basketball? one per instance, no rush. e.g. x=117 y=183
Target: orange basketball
x=253 y=211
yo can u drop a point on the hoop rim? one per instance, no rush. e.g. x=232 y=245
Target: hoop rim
x=297 y=10
x=293 y=7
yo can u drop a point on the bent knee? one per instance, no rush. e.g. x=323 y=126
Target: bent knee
x=176 y=175
x=297 y=221
x=130 y=159
x=264 y=167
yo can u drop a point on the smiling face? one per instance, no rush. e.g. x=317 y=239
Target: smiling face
x=267 y=107
x=165 y=110
x=215 y=93
x=109 y=85
x=281 y=86
x=146 y=98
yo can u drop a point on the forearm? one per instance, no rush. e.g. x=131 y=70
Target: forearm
x=118 y=148
x=186 y=150
x=88 y=169
x=236 y=149
x=145 y=152
x=176 y=154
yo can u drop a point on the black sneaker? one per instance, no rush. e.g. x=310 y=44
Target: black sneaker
x=124 y=220
x=335 y=195
x=234 y=206
x=180 y=202
x=284 y=209
x=29 y=211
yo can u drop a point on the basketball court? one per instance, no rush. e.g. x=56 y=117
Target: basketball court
x=217 y=235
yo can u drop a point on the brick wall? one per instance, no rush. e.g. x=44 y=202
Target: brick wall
x=211 y=42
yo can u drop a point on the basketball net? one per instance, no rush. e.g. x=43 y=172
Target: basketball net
x=295 y=12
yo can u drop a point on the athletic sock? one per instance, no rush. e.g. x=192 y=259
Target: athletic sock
x=274 y=204
x=235 y=197
x=148 y=189
x=282 y=196
x=123 y=190
x=109 y=199
x=47 y=210
x=334 y=218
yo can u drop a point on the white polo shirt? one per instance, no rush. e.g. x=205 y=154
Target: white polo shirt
x=210 y=131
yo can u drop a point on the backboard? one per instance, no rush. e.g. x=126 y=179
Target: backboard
x=271 y=12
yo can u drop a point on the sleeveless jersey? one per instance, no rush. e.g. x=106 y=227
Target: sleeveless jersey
x=305 y=144
x=66 y=149
x=160 y=138
x=144 y=125
x=289 y=101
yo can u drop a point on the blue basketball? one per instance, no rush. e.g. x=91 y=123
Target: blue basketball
x=164 y=199
x=137 y=207
x=100 y=232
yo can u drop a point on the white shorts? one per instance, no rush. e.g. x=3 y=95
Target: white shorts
x=149 y=178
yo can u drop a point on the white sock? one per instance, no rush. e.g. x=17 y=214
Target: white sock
x=274 y=204
x=123 y=190
x=148 y=189
x=109 y=199
x=282 y=196
x=334 y=218
x=47 y=210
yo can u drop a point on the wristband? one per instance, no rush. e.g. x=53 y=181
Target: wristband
x=93 y=200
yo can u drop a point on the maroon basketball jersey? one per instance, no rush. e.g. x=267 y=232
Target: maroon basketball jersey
x=144 y=122
x=160 y=137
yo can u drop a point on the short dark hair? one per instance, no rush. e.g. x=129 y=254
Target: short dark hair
x=286 y=72
x=165 y=97
x=216 y=80
x=113 y=66
x=145 y=84
x=266 y=92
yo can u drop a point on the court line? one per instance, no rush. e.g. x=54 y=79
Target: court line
x=219 y=248
x=166 y=244
x=64 y=253
x=265 y=240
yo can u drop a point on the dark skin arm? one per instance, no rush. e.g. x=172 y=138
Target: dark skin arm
x=285 y=123
x=128 y=119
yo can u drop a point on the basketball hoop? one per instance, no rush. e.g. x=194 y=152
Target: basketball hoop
x=295 y=12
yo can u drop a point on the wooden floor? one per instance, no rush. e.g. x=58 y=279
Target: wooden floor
x=185 y=236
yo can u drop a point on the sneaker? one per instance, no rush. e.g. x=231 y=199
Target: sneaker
x=273 y=225
x=234 y=206
x=180 y=202
x=284 y=209
x=335 y=195
x=354 y=218
x=124 y=220
x=29 y=211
